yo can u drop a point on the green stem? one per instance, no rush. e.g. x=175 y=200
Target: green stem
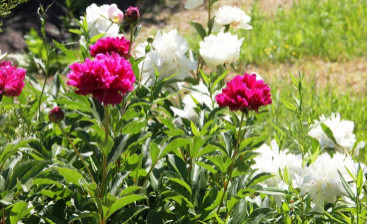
x=131 y=40
x=233 y=157
x=104 y=157
x=40 y=101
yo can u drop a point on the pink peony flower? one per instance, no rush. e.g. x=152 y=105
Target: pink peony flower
x=56 y=115
x=244 y=93
x=107 y=78
x=11 y=79
x=111 y=44
x=132 y=15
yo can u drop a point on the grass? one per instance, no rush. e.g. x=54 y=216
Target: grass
x=333 y=30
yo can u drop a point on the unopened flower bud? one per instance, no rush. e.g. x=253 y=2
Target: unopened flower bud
x=56 y=115
x=132 y=15
x=115 y=14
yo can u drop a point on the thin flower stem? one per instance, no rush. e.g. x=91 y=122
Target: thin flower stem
x=131 y=40
x=77 y=152
x=40 y=101
x=233 y=157
x=104 y=157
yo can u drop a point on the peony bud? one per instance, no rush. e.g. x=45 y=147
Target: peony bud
x=56 y=115
x=132 y=15
x=115 y=14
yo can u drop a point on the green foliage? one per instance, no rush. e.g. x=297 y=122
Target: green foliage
x=332 y=30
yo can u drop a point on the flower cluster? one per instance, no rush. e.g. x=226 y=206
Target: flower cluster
x=11 y=79
x=342 y=131
x=220 y=49
x=245 y=93
x=168 y=56
x=272 y=160
x=119 y=45
x=233 y=16
x=321 y=179
x=107 y=78
x=103 y=19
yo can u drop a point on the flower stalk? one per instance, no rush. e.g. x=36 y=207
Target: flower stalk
x=131 y=40
x=233 y=157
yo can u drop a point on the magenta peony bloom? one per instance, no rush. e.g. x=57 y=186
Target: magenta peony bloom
x=11 y=79
x=111 y=44
x=244 y=93
x=132 y=15
x=56 y=115
x=107 y=78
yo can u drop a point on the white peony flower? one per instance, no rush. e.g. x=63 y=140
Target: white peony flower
x=190 y=4
x=342 y=131
x=271 y=160
x=220 y=49
x=322 y=181
x=168 y=56
x=201 y=94
x=233 y=16
x=101 y=20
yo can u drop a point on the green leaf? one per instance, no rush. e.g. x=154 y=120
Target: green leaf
x=19 y=211
x=259 y=178
x=84 y=215
x=154 y=218
x=207 y=149
x=133 y=127
x=128 y=213
x=174 y=145
x=360 y=179
x=43 y=181
x=130 y=190
x=71 y=175
x=75 y=31
x=96 y=37
x=182 y=183
x=328 y=132
x=106 y=146
x=288 y=105
x=6 y=197
x=206 y=166
x=195 y=131
x=120 y=203
x=200 y=29
x=154 y=152
x=346 y=187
